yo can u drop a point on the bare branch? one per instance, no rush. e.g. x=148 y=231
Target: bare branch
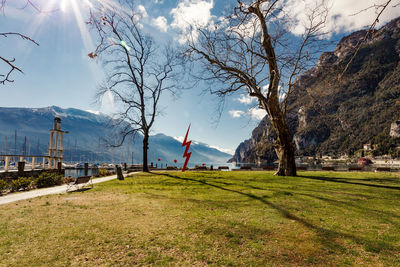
x=379 y=8
x=11 y=62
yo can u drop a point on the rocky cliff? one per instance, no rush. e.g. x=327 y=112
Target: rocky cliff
x=331 y=116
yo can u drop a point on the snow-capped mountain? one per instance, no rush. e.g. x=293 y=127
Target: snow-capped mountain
x=87 y=131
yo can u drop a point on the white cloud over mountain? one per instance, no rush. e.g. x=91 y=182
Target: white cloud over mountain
x=344 y=16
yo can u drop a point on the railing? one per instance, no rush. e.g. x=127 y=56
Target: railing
x=21 y=158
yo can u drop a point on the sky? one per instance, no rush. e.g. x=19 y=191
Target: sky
x=59 y=71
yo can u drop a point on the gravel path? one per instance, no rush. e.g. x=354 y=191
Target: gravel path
x=45 y=191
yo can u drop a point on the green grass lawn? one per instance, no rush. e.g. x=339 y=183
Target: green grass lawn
x=211 y=218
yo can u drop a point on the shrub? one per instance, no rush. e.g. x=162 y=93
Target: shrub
x=67 y=180
x=21 y=183
x=58 y=179
x=3 y=185
x=103 y=172
x=48 y=179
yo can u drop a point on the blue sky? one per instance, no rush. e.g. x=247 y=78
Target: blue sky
x=59 y=72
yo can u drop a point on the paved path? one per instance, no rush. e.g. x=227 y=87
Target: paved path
x=45 y=191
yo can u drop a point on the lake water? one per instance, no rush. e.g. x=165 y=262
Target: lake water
x=79 y=172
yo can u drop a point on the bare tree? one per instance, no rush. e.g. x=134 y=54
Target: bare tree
x=252 y=51
x=138 y=72
x=9 y=61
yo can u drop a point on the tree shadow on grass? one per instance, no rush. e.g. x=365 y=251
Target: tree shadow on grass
x=333 y=202
x=346 y=181
x=79 y=190
x=388 y=216
x=327 y=237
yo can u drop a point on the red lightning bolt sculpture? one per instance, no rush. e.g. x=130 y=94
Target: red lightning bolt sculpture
x=186 y=154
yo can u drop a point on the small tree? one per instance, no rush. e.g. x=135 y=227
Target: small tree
x=138 y=72
x=252 y=50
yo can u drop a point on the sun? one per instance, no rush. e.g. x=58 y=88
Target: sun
x=78 y=9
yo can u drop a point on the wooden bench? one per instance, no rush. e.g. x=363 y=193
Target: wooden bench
x=201 y=168
x=245 y=167
x=269 y=168
x=328 y=168
x=355 y=168
x=82 y=180
x=223 y=168
x=383 y=169
x=301 y=168
x=171 y=168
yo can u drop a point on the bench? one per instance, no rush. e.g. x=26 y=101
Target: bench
x=82 y=180
x=223 y=168
x=245 y=167
x=355 y=168
x=328 y=168
x=301 y=168
x=383 y=169
x=269 y=168
x=171 y=168
x=201 y=168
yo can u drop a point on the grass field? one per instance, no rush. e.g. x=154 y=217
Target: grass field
x=211 y=218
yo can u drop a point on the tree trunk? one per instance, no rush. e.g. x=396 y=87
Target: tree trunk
x=285 y=148
x=287 y=164
x=145 y=149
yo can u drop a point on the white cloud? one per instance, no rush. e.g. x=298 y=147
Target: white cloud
x=236 y=113
x=257 y=113
x=161 y=23
x=246 y=99
x=281 y=92
x=247 y=29
x=189 y=13
x=108 y=103
x=253 y=113
x=225 y=150
x=96 y=112
x=142 y=11
x=179 y=138
x=342 y=16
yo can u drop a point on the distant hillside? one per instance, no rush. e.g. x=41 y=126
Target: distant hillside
x=328 y=117
x=85 y=140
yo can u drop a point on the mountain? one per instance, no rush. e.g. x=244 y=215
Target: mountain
x=333 y=115
x=85 y=140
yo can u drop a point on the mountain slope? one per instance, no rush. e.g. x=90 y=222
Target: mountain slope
x=327 y=116
x=85 y=140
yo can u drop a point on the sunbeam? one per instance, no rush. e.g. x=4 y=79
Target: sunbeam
x=85 y=35
x=35 y=26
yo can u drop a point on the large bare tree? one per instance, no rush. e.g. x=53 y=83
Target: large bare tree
x=138 y=71
x=252 y=50
x=10 y=61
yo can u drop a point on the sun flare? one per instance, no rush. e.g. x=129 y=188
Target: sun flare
x=79 y=10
